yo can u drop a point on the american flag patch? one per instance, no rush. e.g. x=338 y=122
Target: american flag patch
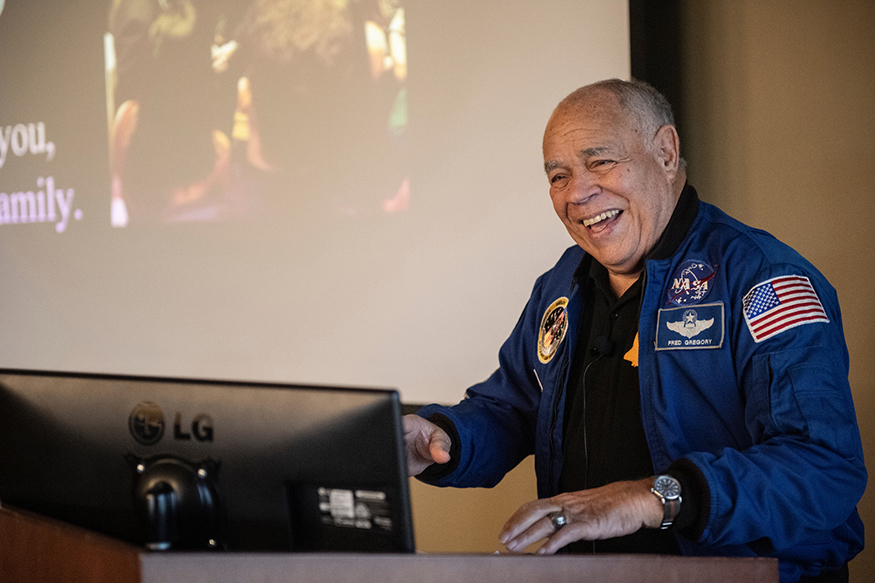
x=779 y=304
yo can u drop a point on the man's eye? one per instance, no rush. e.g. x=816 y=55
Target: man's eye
x=557 y=178
x=602 y=163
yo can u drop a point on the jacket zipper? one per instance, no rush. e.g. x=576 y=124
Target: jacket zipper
x=560 y=391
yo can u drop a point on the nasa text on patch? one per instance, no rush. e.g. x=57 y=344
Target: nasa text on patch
x=690 y=327
x=691 y=282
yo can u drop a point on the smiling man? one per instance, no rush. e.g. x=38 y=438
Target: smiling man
x=681 y=378
x=614 y=180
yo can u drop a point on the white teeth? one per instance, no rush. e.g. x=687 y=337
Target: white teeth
x=600 y=218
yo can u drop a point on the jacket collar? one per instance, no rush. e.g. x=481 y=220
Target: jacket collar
x=685 y=212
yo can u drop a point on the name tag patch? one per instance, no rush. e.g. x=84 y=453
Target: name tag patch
x=687 y=328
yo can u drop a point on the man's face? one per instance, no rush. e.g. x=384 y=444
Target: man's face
x=613 y=193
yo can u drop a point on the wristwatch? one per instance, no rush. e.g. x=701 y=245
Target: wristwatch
x=668 y=490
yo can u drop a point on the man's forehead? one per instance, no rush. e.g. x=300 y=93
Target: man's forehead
x=596 y=128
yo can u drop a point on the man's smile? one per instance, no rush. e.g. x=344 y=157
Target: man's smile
x=600 y=218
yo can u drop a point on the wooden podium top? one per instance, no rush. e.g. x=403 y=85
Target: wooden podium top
x=34 y=548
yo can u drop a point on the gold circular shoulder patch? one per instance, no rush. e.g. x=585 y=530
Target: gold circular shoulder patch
x=552 y=330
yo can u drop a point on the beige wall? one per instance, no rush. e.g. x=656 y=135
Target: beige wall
x=779 y=132
x=448 y=520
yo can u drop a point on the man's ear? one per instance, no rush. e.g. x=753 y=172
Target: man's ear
x=668 y=148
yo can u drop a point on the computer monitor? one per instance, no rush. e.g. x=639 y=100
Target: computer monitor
x=188 y=464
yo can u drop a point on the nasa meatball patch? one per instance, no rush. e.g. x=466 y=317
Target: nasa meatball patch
x=691 y=282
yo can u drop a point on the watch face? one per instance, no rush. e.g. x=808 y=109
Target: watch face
x=667 y=486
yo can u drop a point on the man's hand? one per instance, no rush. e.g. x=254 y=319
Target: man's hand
x=614 y=510
x=426 y=444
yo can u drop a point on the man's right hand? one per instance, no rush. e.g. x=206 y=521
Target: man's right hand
x=426 y=444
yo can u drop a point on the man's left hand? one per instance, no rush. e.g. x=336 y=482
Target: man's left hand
x=611 y=511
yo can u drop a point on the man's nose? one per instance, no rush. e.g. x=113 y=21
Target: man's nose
x=582 y=188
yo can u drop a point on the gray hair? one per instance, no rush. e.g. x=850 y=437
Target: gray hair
x=648 y=109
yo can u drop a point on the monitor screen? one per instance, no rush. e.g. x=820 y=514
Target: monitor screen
x=185 y=464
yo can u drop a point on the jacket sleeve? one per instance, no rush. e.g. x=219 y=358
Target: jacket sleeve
x=799 y=482
x=496 y=421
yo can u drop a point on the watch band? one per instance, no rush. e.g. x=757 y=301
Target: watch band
x=668 y=490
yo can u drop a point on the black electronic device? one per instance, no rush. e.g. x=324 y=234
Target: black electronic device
x=180 y=464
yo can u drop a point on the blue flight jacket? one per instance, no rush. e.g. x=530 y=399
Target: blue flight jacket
x=768 y=420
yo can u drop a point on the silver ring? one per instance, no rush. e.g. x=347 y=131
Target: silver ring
x=557 y=519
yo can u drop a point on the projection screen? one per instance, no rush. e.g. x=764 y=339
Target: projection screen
x=308 y=191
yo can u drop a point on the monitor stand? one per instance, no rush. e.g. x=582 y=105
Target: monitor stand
x=178 y=502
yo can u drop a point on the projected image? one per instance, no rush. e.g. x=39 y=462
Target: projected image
x=224 y=109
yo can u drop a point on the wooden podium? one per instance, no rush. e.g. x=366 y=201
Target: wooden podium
x=37 y=549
